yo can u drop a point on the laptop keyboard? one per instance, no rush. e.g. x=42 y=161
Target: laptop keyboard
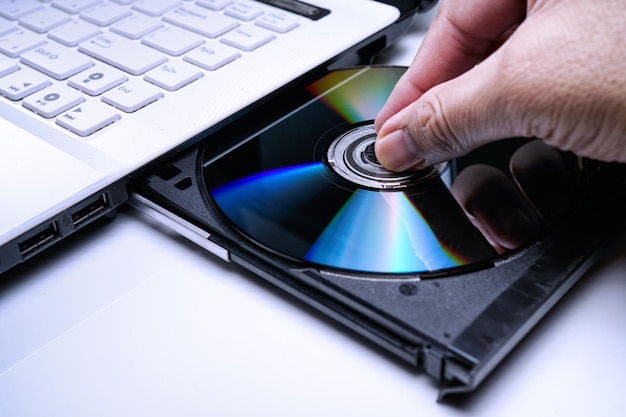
x=86 y=64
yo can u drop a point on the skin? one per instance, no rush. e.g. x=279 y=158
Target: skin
x=493 y=69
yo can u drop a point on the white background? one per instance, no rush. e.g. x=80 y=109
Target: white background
x=129 y=320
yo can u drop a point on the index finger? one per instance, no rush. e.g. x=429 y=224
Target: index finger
x=461 y=34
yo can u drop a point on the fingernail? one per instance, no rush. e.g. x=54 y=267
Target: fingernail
x=396 y=151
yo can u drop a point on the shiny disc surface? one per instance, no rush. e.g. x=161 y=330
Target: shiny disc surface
x=281 y=190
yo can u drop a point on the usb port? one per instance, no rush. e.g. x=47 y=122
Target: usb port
x=39 y=240
x=91 y=210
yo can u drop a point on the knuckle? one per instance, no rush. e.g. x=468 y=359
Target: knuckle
x=434 y=129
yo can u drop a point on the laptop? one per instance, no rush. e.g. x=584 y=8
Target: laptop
x=93 y=91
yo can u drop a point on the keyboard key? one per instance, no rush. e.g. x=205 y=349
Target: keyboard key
x=6 y=26
x=172 y=40
x=132 y=96
x=200 y=20
x=278 y=22
x=17 y=42
x=14 y=9
x=211 y=57
x=155 y=7
x=7 y=66
x=122 y=53
x=137 y=26
x=87 y=118
x=74 y=6
x=22 y=83
x=56 y=60
x=97 y=79
x=244 y=11
x=118 y=56
x=52 y=101
x=173 y=76
x=44 y=20
x=105 y=14
x=73 y=33
x=214 y=4
x=248 y=38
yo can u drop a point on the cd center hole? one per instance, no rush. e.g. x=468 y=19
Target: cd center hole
x=369 y=155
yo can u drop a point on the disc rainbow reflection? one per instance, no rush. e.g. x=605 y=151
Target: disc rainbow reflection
x=372 y=231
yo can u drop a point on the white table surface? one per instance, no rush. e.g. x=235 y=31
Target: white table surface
x=129 y=320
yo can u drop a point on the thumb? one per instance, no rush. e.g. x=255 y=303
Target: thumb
x=447 y=121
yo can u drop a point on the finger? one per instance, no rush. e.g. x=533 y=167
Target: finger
x=497 y=207
x=447 y=121
x=536 y=85
x=461 y=34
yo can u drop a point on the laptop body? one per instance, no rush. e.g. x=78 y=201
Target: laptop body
x=61 y=171
x=85 y=379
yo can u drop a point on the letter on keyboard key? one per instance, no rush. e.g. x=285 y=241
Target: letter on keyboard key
x=87 y=118
x=56 y=61
x=212 y=56
x=173 y=75
x=278 y=22
x=53 y=100
x=97 y=79
x=22 y=83
x=200 y=20
x=244 y=11
x=122 y=53
x=132 y=96
x=248 y=38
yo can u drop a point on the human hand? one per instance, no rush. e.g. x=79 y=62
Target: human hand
x=492 y=69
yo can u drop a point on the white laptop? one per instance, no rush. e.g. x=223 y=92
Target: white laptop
x=93 y=90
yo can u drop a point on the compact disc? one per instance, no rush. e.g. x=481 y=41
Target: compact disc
x=309 y=188
x=351 y=155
